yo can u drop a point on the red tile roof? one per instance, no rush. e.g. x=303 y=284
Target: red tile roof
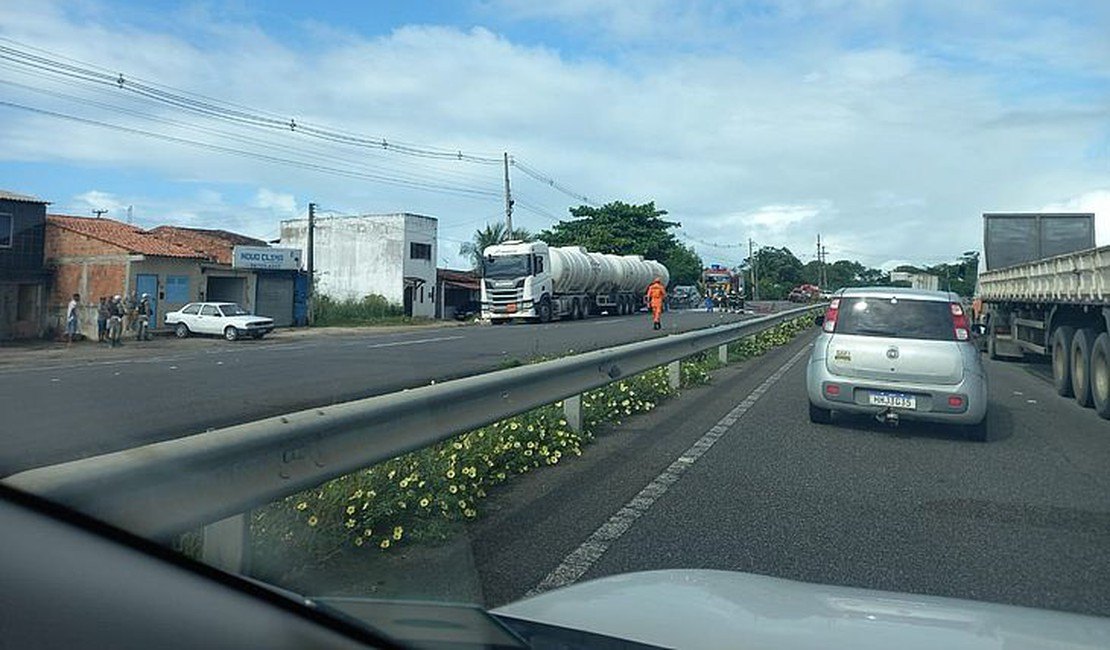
x=132 y=238
x=215 y=244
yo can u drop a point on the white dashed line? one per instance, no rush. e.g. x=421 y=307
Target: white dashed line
x=579 y=561
x=414 y=342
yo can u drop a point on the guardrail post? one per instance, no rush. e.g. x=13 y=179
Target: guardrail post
x=674 y=374
x=572 y=411
x=226 y=544
x=722 y=353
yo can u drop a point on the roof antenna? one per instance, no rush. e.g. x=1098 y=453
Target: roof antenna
x=100 y=213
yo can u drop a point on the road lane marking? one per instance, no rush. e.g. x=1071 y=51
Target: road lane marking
x=581 y=559
x=414 y=342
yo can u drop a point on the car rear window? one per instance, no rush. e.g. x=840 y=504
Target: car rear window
x=895 y=318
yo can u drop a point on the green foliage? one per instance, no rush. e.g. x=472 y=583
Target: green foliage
x=624 y=229
x=757 y=344
x=371 y=310
x=419 y=496
x=492 y=234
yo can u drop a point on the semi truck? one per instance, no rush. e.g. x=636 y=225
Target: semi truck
x=724 y=286
x=536 y=282
x=1046 y=290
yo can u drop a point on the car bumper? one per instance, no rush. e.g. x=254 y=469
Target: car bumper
x=932 y=400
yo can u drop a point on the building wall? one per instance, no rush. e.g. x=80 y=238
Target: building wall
x=354 y=256
x=23 y=280
x=421 y=230
x=83 y=265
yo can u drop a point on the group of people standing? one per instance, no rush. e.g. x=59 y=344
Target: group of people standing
x=113 y=315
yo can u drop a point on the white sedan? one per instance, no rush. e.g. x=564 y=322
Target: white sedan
x=226 y=319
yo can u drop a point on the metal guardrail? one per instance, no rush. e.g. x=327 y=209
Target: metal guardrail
x=167 y=488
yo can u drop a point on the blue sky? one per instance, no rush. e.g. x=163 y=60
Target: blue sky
x=887 y=126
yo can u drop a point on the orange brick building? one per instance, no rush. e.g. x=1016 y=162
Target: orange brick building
x=102 y=257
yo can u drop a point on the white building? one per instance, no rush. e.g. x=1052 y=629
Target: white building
x=391 y=255
x=925 y=281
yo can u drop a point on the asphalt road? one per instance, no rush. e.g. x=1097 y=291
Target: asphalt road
x=55 y=411
x=1022 y=519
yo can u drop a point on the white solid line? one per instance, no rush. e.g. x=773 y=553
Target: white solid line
x=579 y=561
x=414 y=342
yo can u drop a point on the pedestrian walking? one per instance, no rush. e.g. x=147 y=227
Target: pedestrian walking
x=656 y=294
x=115 y=321
x=709 y=303
x=102 y=319
x=71 y=318
x=142 y=310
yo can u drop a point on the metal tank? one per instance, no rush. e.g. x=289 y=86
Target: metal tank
x=573 y=270
x=659 y=271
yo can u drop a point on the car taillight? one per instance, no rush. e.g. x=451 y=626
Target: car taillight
x=955 y=401
x=832 y=389
x=830 y=315
x=959 y=322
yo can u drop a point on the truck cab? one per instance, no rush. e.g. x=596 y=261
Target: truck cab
x=516 y=281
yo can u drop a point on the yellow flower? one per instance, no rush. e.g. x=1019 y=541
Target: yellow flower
x=384 y=544
x=469 y=512
x=350 y=510
x=350 y=523
x=424 y=503
x=312 y=521
x=302 y=505
x=368 y=532
x=404 y=482
x=358 y=541
x=453 y=488
x=514 y=426
x=397 y=532
x=450 y=473
x=358 y=493
x=392 y=473
x=462 y=505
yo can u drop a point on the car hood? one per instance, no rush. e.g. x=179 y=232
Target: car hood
x=724 y=609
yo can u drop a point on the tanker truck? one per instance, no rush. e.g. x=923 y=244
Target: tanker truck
x=536 y=282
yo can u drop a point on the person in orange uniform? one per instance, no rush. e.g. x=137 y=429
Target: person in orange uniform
x=655 y=296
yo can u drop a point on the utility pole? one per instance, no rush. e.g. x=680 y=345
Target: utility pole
x=508 y=201
x=755 y=277
x=100 y=213
x=309 y=264
x=824 y=267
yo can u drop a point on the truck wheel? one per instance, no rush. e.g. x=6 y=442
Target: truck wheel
x=1081 y=347
x=1061 y=359
x=576 y=310
x=543 y=310
x=1100 y=375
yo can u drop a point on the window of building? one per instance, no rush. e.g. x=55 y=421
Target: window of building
x=7 y=223
x=420 y=251
x=177 y=288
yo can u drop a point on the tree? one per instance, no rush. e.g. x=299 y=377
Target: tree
x=777 y=270
x=625 y=229
x=488 y=236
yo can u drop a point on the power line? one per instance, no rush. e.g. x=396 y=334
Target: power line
x=327 y=169
x=550 y=182
x=218 y=109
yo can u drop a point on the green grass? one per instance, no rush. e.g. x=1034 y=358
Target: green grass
x=371 y=310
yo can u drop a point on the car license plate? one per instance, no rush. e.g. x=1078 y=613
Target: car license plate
x=511 y=307
x=895 y=400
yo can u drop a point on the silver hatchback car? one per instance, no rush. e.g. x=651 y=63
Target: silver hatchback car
x=898 y=354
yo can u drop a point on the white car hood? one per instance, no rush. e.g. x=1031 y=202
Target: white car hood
x=724 y=609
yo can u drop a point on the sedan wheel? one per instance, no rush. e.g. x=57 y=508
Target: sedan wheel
x=182 y=330
x=231 y=333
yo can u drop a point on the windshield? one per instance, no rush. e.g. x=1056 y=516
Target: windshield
x=896 y=318
x=506 y=267
x=233 y=310
x=331 y=387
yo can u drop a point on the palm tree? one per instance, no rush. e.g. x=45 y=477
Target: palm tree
x=488 y=236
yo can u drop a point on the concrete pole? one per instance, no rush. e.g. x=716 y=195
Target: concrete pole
x=226 y=544
x=572 y=411
x=674 y=374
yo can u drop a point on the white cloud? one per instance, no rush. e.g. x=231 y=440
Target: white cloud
x=889 y=150
x=282 y=205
